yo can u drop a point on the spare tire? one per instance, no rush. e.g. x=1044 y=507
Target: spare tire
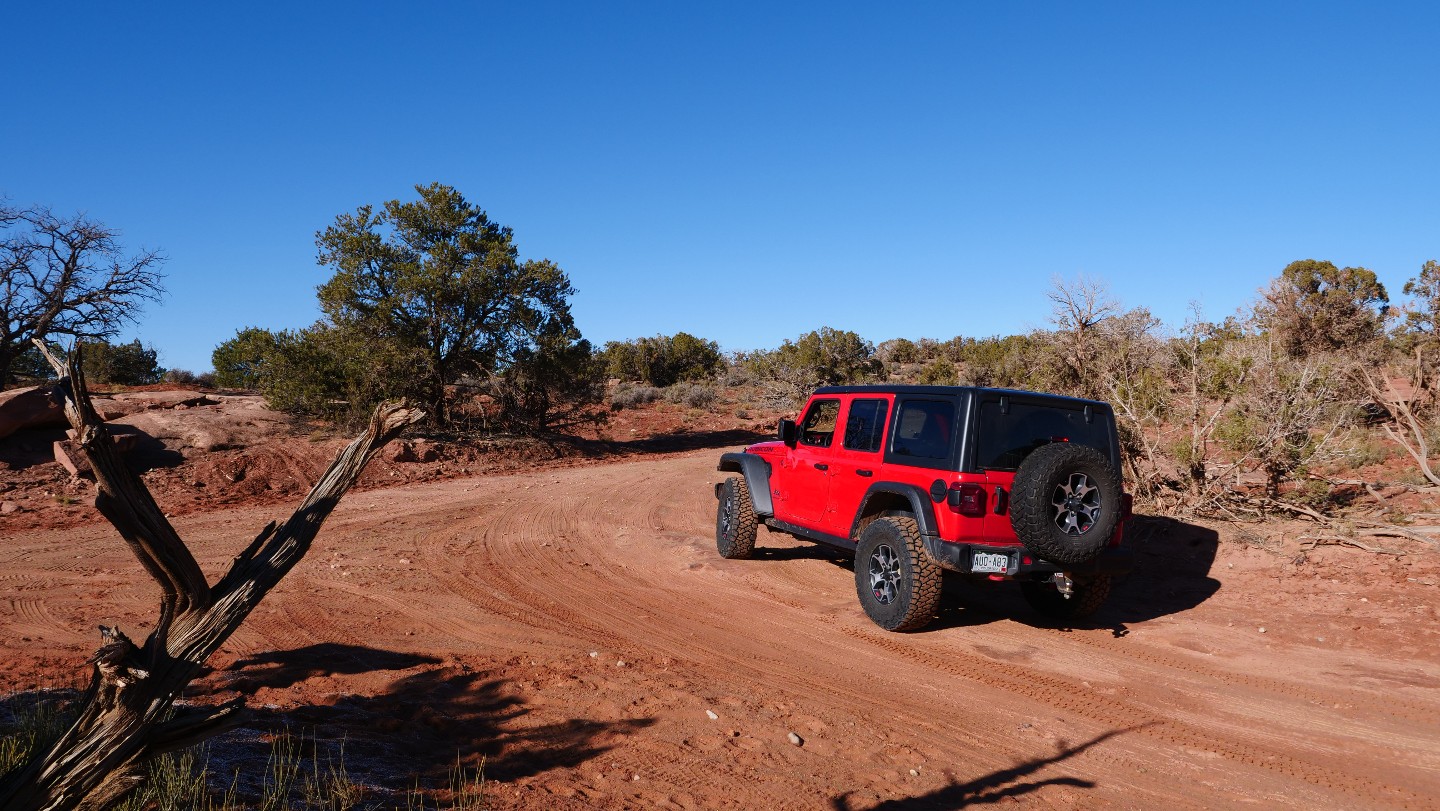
x=1065 y=502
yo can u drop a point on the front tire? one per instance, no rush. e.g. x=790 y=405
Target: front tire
x=735 y=524
x=1087 y=596
x=898 y=585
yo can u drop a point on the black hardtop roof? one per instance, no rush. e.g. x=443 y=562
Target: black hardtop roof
x=950 y=391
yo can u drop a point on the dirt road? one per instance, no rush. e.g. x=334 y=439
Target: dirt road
x=576 y=628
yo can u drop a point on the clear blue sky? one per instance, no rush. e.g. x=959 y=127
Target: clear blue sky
x=743 y=172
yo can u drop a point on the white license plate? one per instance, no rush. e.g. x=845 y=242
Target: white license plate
x=989 y=562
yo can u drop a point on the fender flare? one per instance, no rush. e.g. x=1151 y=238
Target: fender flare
x=920 y=505
x=757 y=475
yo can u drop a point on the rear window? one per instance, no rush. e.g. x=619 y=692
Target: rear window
x=865 y=425
x=1006 y=439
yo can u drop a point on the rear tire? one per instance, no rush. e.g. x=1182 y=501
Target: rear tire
x=735 y=524
x=898 y=585
x=1089 y=594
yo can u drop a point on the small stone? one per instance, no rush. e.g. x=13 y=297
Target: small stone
x=9 y=508
x=1262 y=629
x=593 y=654
x=634 y=778
x=620 y=663
x=1364 y=599
x=914 y=773
x=711 y=715
x=404 y=561
x=795 y=740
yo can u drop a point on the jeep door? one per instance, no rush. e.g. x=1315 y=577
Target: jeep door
x=805 y=470
x=857 y=459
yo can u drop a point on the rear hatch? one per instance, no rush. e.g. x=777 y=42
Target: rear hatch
x=1008 y=426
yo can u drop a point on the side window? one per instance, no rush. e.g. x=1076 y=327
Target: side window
x=923 y=429
x=818 y=427
x=865 y=425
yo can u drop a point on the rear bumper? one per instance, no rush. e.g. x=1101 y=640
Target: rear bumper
x=957 y=557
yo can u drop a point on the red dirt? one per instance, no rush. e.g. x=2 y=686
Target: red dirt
x=573 y=626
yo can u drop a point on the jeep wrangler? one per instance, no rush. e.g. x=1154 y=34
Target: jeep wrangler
x=918 y=480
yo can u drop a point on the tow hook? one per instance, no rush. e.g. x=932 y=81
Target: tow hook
x=1064 y=585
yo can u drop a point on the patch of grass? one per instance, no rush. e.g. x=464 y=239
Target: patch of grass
x=31 y=730
x=182 y=781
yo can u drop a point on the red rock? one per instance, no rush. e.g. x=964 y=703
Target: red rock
x=34 y=407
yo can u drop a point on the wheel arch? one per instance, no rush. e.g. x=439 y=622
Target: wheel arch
x=888 y=497
x=757 y=476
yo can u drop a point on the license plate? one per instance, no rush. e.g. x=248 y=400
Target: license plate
x=990 y=562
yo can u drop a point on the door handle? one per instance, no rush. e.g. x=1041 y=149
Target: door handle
x=822 y=467
x=864 y=473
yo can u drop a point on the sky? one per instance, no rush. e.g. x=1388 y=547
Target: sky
x=744 y=172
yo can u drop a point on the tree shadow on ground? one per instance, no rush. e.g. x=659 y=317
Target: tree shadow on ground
x=29 y=447
x=998 y=786
x=280 y=669
x=36 y=446
x=672 y=442
x=414 y=732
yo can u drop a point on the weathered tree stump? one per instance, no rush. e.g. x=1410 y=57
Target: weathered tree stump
x=127 y=716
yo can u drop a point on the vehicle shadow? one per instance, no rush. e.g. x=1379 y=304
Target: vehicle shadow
x=995 y=787
x=1173 y=560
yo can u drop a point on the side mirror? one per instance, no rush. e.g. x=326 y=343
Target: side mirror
x=788 y=433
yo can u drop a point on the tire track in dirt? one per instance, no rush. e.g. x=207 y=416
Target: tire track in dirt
x=1390 y=704
x=1075 y=698
x=742 y=660
x=495 y=579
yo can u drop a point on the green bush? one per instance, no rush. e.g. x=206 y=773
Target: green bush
x=120 y=364
x=939 y=372
x=631 y=395
x=662 y=360
x=691 y=394
x=239 y=362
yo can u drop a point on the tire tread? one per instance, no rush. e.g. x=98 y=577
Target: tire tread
x=742 y=546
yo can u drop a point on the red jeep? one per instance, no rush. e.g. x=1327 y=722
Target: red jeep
x=913 y=480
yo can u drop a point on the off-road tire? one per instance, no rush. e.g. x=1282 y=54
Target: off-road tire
x=735 y=523
x=1088 y=595
x=1065 y=502
x=908 y=593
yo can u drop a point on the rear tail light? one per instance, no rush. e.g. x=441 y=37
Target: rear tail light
x=968 y=499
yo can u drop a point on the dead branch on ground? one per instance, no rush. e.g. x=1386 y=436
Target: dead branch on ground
x=1309 y=542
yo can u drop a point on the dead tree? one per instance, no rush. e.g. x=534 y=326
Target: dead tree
x=1403 y=425
x=127 y=716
